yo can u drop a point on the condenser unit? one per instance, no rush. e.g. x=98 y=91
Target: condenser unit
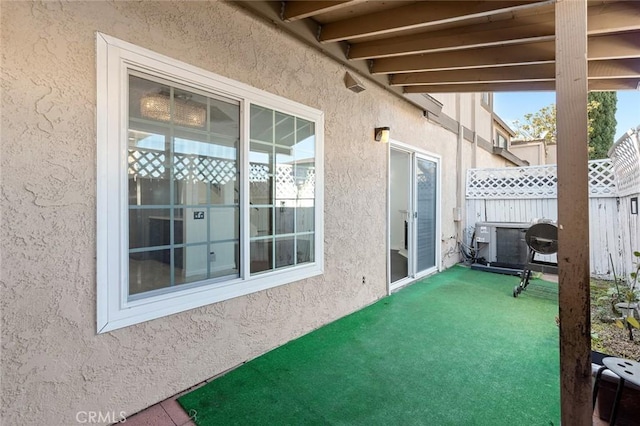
x=501 y=244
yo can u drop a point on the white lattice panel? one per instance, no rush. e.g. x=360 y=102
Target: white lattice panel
x=626 y=161
x=602 y=181
x=512 y=182
x=534 y=182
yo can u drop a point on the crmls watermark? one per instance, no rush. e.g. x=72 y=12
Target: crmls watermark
x=93 y=417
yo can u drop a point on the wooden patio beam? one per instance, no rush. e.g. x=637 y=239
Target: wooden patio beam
x=614 y=68
x=613 y=17
x=573 y=213
x=614 y=46
x=520 y=73
x=295 y=10
x=483 y=87
x=531 y=53
x=611 y=46
x=612 y=84
x=513 y=31
x=417 y=15
x=594 y=86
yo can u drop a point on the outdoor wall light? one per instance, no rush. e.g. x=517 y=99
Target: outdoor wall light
x=353 y=83
x=382 y=134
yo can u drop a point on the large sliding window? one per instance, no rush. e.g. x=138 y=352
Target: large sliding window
x=208 y=189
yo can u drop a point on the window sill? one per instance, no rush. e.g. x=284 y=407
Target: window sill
x=180 y=301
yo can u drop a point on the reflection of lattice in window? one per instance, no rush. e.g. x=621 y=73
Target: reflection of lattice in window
x=258 y=173
x=194 y=168
x=626 y=161
x=426 y=183
x=290 y=186
x=285 y=182
x=306 y=189
x=149 y=164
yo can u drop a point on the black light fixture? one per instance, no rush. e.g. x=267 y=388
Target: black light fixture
x=381 y=134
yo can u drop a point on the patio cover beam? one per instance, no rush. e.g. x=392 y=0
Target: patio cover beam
x=594 y=85
x=531 y=53
x=607 y=18
x=613 y=16
x=614 y=68
x=598 y=70
x=417 y=15
x=573 y=212
x=499 y=33
x=483 y=87
x=612 y=46
x=520 y=73
x=295 y=10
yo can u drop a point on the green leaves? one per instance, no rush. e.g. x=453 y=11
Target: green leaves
x=601 y=125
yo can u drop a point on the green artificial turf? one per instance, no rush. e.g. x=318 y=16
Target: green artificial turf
x=454 y=349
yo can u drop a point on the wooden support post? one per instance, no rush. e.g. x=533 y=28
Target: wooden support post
x=573 y=212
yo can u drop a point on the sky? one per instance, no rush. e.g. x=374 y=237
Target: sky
x=512 y=106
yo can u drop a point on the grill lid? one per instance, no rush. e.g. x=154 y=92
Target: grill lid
x=542 y=238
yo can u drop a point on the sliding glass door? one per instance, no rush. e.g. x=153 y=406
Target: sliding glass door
x=413 y=218
x=399 y=220
x=426 y=184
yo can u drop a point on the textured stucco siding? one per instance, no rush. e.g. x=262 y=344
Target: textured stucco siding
x=489 y=160
x=533 y=153
x=53 y=363
x=483 y=123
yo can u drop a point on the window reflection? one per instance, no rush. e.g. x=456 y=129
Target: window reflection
x=183 y=167
x=282 y=185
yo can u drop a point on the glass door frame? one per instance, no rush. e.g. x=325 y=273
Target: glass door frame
x=415 y=155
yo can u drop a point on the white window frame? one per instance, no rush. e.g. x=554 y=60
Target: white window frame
x=114 y=58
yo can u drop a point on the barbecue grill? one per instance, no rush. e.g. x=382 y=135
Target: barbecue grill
x=541 y=239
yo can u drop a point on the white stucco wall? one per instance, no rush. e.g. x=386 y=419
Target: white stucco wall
x=53 y=363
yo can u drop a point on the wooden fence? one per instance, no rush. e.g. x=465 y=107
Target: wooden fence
x=524 y=194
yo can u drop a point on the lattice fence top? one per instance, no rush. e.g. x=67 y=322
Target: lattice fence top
x=626 y=162
x=535 y=181
x=602 y=179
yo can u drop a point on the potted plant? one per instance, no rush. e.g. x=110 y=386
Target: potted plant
x=629 y=307
x=623 y=301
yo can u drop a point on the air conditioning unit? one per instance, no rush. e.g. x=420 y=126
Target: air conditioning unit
x=501 y=244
